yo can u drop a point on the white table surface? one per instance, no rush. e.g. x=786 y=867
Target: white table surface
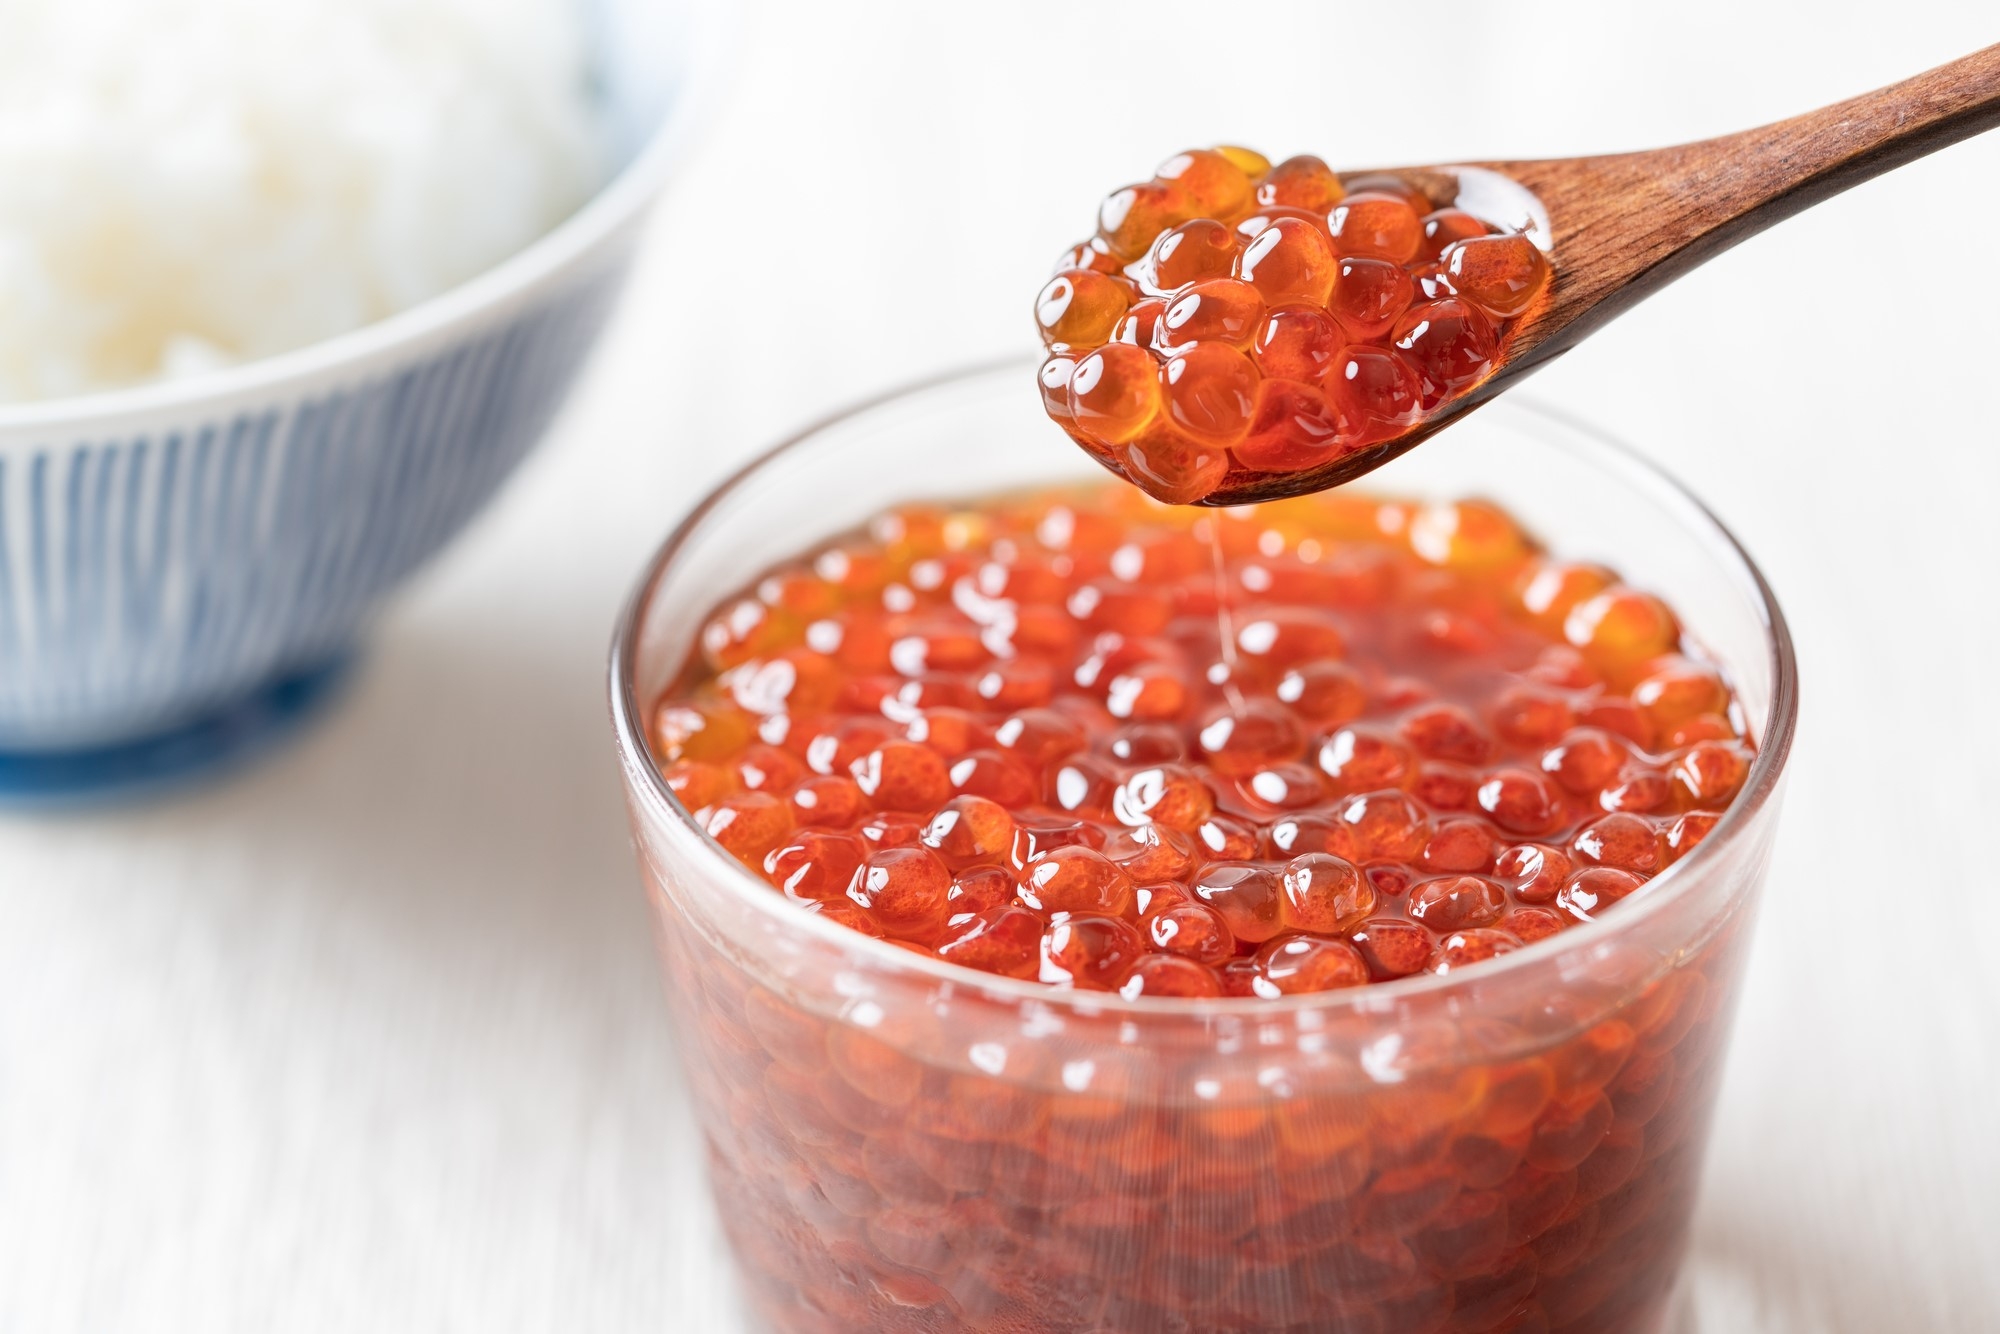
x=369 y=1037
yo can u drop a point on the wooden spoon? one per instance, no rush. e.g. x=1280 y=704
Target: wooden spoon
x=1619 y=228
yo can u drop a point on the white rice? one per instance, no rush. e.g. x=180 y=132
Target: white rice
x=185 y=184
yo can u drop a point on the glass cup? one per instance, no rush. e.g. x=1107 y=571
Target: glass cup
x=897 y=1143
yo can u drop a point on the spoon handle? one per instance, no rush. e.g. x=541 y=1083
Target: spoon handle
x=1627 y=224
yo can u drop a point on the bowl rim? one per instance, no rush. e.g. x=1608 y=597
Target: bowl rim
x=706 y=71
x=1759 y=788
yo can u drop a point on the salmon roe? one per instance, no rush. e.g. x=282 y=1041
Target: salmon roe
x=1044 y=738
x=1234 y=316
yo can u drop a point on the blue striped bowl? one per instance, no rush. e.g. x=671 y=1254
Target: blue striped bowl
x=185 y=567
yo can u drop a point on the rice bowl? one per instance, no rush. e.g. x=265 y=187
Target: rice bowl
x=176 y=556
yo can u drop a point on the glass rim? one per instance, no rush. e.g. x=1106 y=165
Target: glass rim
x=1774 y=747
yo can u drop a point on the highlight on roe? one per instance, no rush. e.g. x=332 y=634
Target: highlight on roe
x=1230 y=314
x=1013 y=736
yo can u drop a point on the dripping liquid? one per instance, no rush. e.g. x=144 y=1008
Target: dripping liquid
x=1225 y=623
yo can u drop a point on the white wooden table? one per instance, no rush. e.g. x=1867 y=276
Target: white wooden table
x=369 y=1037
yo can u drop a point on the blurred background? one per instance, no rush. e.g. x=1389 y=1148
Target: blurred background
x=370 y=1036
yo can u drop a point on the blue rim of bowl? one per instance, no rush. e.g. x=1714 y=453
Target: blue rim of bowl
x=1766 y=771
x=706 y=74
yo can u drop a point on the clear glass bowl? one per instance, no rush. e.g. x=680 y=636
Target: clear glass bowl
x=897 y=1143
